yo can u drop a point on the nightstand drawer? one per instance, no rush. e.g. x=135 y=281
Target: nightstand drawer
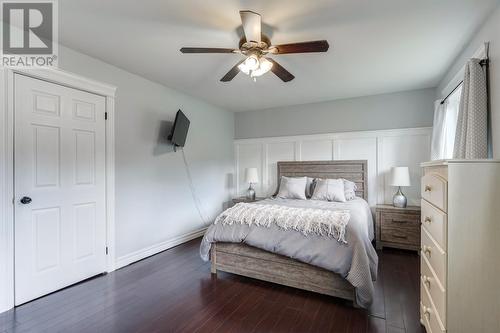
x=245 y=200
x=400 y=228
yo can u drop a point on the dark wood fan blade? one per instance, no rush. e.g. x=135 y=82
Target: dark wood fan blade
x=206 y=50
x=304 y=47
x=280 y=71
x=232 y=72
x=251 y=23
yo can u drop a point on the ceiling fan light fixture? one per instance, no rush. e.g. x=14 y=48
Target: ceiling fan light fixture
x=250 y=64
x=243 y=68
x=255 y=45
x=263 y=66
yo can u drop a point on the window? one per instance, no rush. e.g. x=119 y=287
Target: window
x=445 y=126
x=450 y=124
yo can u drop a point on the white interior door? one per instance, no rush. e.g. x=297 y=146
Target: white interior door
x=59 y=167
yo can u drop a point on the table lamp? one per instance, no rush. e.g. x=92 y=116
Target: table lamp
x=251 y=177
x=400 y=176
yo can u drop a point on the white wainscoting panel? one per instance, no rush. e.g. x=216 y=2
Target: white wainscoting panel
x=249 y=155
x=408 y=150
x=382 y=149
x=277 y=151
x=316 y=150
x=361 y=149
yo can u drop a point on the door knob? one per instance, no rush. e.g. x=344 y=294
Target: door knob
x=25 y=200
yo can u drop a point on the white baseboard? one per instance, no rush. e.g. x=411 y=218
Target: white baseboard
x=157 y=248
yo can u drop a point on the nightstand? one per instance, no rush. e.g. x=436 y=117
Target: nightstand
x=397 y=227
x=244 y=199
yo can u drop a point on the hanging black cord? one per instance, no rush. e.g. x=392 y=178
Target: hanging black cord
x=192 y=188
x=484 y=62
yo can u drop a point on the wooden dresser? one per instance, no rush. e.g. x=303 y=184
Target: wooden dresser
x=460 y=246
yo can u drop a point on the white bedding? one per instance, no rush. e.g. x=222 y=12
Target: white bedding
x=355 y=260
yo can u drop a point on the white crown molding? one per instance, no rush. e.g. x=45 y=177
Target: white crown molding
x=337 y=135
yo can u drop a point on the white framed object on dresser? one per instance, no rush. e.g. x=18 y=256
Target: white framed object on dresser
x=460 y=247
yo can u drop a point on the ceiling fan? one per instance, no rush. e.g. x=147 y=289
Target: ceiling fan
x=256 y=46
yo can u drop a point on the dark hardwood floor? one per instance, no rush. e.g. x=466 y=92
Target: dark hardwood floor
x=175 y=292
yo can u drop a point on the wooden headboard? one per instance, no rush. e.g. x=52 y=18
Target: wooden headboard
x=354 y=170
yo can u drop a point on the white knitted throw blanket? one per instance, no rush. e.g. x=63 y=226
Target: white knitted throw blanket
x=305 y=220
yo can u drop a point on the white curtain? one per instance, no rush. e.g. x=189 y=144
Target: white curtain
x=444 y=126
x=471 y=139
x=438 y=131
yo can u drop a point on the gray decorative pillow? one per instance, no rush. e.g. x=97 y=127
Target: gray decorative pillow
x=309 y=187
x=349 y=189
x=329 y=189
x=292 y=188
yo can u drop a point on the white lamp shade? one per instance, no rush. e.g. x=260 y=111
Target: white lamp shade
x=400 y=176
x=251 y=175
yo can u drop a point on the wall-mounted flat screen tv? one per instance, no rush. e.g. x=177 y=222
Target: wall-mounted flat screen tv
x=179 y=130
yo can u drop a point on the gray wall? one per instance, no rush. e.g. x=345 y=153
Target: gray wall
x=153 y=200
x=490 y=32
x=387 y=111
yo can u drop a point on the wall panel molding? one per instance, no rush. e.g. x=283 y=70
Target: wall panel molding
x=383 y=149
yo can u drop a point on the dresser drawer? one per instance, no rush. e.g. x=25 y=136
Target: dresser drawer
x=434 y=255
x=435 y=190
x=434 y=288
x=400 y=228
x=435 y=222
x=428 y=314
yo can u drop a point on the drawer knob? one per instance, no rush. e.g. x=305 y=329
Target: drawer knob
x=427 y=280
x=427 y=188
x=427 y=311
x=427 y=250
x=427 y=219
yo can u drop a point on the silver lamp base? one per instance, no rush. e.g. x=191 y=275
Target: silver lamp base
x=251 y=193
x=399 y=199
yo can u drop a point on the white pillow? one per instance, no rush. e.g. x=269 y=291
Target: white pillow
x=292 y=188
x=329 y=189
x=349 y=189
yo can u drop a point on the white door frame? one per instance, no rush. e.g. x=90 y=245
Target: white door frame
x=7 y=164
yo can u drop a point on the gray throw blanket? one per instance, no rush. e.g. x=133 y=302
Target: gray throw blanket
x=356 y=261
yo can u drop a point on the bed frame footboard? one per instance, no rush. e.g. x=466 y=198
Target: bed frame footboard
x=259 y=264
x=213 y=259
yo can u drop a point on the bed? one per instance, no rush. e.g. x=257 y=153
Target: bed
x=315 y=263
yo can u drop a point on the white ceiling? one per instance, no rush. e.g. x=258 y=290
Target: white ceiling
x=375 y=46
